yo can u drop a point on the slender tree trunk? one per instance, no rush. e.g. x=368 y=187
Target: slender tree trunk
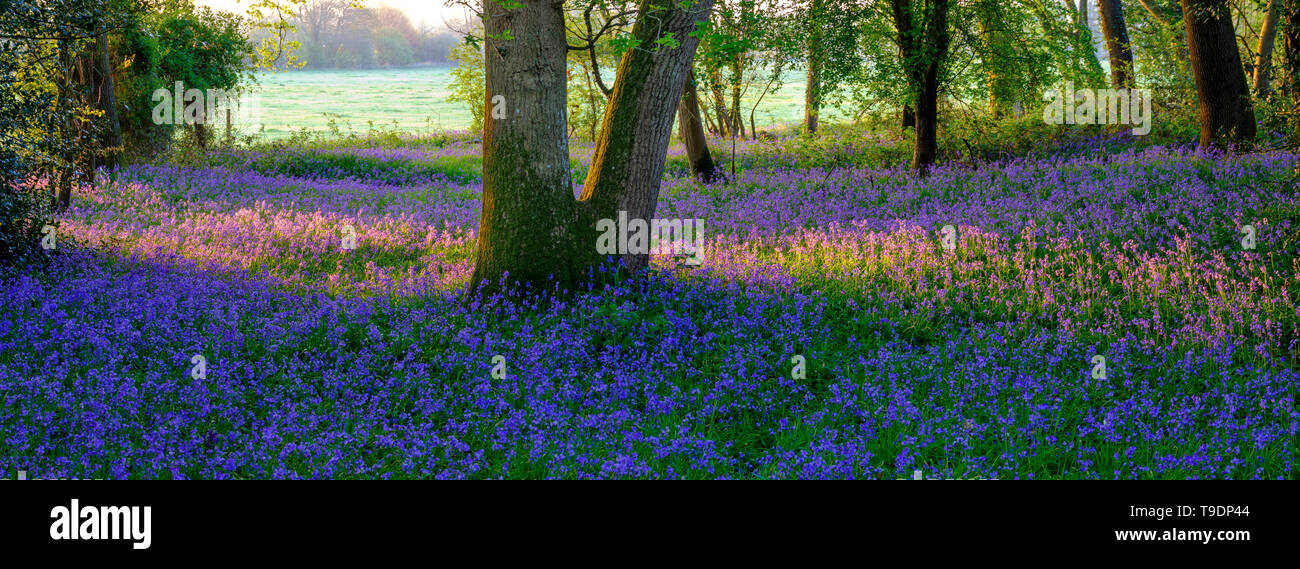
x=1291 y=45
x=692 y=131
x=737 y=121
x=997 y=48
x=720 y=110
x=108 y=100
x=1262 y=80
x=67 y=170
x=1118 y=46
x=709 y=124
x=529 y=227
x=1226 y=111
x=627 y=168
x=812 y=95
x=812 y=92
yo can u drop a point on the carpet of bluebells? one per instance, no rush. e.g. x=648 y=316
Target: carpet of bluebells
x=975 y=362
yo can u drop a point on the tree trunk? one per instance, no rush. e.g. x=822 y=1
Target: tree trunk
x=692 y=131
x=1117 y=43
x=812 y=95
x=628 y=166
x=108 y=101
x=532 y=230
x=924 y=46
x=737 y=122
x=908 y=118
x=709 y=124
x=1262 y=80
x=812 y=92
x=1291 y=44
x=1226 y=111
x=67 y=170
x=528 y=228
x=996 y=52
x=1081 y=20
x=927 y=122
x=720 y=110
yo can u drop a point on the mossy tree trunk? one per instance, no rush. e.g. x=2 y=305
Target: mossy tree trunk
x=532 y=229
x=1225 y=108
x=720 y=110
x=528 y=230
x=628 y=164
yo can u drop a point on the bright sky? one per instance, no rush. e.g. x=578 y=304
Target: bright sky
x=431 y=11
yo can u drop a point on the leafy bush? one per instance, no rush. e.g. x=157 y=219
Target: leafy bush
x=199 y=47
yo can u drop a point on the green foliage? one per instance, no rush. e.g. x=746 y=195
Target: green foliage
x=24 y=207
x=46 y=126
x=197 y=46
x=276 y=47
x=468 y=81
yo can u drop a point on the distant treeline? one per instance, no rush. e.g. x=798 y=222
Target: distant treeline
x=335 y=35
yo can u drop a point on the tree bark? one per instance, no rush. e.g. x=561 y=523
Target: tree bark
x=1225 y=108
x=1262 y=74
x=927 y=122
x=1118 y=45
x=628 y=165
x=528 y=230
x=812 y=91
x=692 y=131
